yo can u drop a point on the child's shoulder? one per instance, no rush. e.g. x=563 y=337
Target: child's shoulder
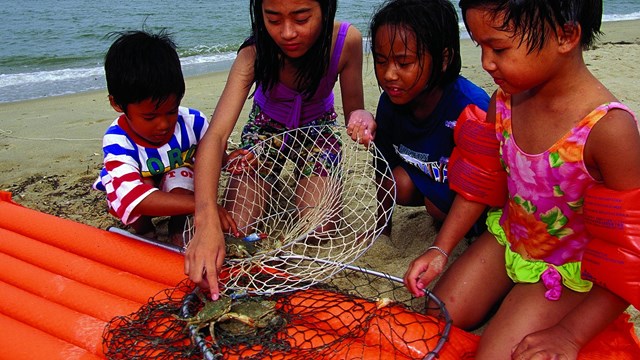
x=468 y=86
x=191 y=113
x=351 y=32
x=193 y=119
x=117 y=126
x=466 y=91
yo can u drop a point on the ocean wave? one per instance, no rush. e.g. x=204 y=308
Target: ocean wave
x=50 y=76
x=621 y=17
x=208 y=50
x=37 y=84
x=201 y=59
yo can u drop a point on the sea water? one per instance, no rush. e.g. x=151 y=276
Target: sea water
x=57 y=47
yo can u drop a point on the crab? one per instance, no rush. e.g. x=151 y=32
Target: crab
x=211 y=312
x=262 y=314
x=251 y=245
x=235 y=317
x=239 y=248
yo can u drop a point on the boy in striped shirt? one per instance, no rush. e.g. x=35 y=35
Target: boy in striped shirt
x=149 y=149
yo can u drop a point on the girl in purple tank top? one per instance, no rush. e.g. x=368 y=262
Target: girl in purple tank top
x=294 y=56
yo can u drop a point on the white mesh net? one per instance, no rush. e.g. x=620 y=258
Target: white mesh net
x=314 y=194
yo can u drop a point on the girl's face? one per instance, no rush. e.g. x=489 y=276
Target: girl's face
x=294 y=25
x=506 y=58
x=399 y=70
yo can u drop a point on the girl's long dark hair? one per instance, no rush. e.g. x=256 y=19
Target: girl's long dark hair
x=310 y=68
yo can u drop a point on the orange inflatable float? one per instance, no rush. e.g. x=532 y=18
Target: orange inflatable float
x=63 y=282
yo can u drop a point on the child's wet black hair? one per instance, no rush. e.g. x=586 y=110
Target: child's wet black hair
x=533 y=20
x=435 y=25
x=141 y=65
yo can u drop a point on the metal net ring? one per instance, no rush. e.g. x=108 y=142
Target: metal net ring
x=358 y=305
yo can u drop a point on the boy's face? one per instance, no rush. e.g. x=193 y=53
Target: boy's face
x=154 y=122
x=399 y=70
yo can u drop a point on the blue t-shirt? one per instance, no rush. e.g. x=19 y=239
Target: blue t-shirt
x=423 y=148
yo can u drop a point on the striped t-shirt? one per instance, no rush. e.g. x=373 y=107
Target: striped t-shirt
x=127 y=162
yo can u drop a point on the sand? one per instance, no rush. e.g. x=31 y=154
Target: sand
x=51 y=147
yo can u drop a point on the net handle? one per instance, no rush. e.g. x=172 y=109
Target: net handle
x=160 y=244
x=198 y=339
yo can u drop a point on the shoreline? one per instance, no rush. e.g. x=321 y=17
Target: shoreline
x=224 y=66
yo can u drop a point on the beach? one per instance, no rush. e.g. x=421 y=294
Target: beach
x=51 y=147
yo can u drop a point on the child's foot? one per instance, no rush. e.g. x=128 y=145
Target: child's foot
x=144 y=227
x=176 y=230
x=177 y=240
x=149 y=234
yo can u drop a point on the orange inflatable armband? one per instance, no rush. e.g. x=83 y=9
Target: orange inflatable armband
x=474 y=168
x=612 y=257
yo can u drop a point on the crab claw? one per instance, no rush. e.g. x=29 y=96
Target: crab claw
x=383 y=302
x=235 y=316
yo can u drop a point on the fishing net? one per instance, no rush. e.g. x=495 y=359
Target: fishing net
x=357 y=314
x=312 y=203
x=305 y=195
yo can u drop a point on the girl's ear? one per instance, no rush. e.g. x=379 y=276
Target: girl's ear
x=569 y=36
x=114 y=105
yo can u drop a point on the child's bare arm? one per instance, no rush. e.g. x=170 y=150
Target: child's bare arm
x=612 y=152
x=160 y=203
x=351 y=73
x=424 y=269
x=206 y=252
x=464 y=212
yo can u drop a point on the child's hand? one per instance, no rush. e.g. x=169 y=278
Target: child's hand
x=239 y=161
x=227 y=223
x=423 y=270
x=361 y=126
x=552 y=343
x=204 y=258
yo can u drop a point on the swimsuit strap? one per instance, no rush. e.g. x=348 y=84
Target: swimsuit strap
x=621 y=106
x=337 y=51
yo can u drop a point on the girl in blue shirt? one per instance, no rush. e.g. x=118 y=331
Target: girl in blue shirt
x=416 y=50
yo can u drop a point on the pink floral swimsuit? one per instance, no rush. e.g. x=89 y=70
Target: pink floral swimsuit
x=542 y=220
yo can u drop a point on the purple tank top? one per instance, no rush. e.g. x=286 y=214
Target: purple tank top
x=288 y=106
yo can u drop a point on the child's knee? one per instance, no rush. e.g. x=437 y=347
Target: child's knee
x=181 y=191
x=180 y=178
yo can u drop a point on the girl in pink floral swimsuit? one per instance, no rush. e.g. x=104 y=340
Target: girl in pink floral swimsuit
x=560 y=132
x=542 y=223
